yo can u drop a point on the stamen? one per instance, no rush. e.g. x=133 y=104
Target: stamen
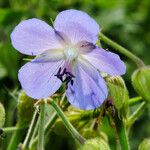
x=72 y=82
x=68 y=76
x=59 y=71
x=64 y=71
x=58 y=75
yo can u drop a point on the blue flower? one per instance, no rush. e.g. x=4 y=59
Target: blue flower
x=65 y=54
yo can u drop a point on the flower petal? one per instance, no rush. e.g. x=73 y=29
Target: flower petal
x=38 y=80
x=34 y=36
x=77 y=25
x=106 y=61
x=88 y=90
x=85 y=47
x=49 y=55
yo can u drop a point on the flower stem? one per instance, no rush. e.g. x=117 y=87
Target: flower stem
x=122 y=50
x=122 y=134
x=50 y=123
x=12 y=129
x=68 y=125
x=136 y=114
x=16 y=138
x=30 y=131
x=41 y=127
x=134 y=100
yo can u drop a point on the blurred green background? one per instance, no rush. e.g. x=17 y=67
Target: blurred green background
x=125 y=21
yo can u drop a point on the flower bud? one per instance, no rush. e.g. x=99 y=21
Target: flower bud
x=89 y=133
x=25 y=109
x=75 y=120
x=141 y=82
x=145 y=145
x=2 y=115
x=118 y=92
x=96 y=144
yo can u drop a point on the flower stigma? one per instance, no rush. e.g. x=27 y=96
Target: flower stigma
x=71 y=53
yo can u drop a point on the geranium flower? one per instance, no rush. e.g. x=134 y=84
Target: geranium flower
x=65 y=54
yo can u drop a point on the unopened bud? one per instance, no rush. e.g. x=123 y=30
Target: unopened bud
x=141 y=82
x=145 y=145
x=2 y=115
x=96 y=144
x=25 y=109
x=118 y=92
x=89 y=133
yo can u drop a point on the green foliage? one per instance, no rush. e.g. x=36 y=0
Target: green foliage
x=2 y=115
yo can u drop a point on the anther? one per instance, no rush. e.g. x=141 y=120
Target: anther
x=59 y=75
x=59 y=71
x=64 y=71
x=68 y=76
x=72 y=82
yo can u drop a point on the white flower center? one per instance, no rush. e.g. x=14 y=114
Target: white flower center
x=71 y=53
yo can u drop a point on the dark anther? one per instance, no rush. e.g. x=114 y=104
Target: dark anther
x=67 y=80
x=59 y=75
x=65 y=76
x=59 y=71
x=64 y=71
x=72 y=82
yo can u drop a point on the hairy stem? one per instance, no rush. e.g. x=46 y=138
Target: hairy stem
x=30 y=130
x=134 y=100
x=16 y=138
x=122 y=50
x=122 y=133
x=41 y=127
x=68 y=125
x=136 y=114
x=12 y=129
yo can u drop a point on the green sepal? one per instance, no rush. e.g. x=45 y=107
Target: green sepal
x=145 y=144
x=96 y=144
x=141 y=82
x=25 y=109
x=118 y=93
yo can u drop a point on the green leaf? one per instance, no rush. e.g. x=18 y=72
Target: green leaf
x=3 y=71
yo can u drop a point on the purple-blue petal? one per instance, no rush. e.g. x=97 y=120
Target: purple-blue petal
x=106 y=61
x=77 y=25
x=34 y=36
x=49 y=56
x=38 y=80
x=89 y=89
